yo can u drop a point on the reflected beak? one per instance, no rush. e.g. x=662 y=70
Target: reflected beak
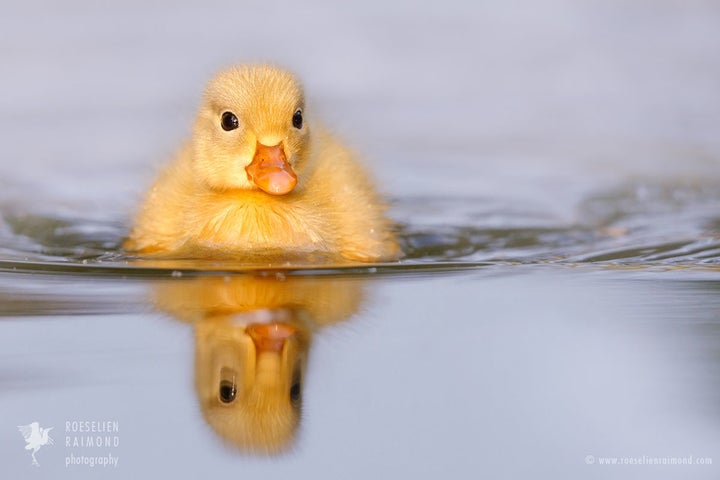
x=270 y=171
x=270 y=337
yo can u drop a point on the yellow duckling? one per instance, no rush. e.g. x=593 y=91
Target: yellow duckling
x=260 y=178
x=252 y=339
x=248 y=378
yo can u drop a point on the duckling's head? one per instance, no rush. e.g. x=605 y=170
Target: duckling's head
x=249 y=380
x=251 y=132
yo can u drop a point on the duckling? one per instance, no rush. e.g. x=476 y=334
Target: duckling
x=248 y=378
x=260 y=177
x=252 y=340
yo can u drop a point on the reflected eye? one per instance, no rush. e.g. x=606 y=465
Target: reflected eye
x=227 y=391
x=229 y=121
x=297 y=119
x=295 y=392
x=228 y=388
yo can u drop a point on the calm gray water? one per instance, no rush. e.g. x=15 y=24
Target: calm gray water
x=554 y=166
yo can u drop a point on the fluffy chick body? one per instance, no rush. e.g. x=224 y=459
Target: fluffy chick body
x=204 y=204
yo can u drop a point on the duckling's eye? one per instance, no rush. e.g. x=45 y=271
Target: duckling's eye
x=228 y=388
x=295 y=391
x=227 y=391
x=297 y=119
x=229 y=121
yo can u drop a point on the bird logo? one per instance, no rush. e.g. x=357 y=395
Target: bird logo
x=35 y=436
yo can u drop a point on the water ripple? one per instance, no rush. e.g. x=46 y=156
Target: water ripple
x=635 y=224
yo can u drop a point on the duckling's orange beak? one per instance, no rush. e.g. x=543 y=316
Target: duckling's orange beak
x=270 y=337
x=270 y=170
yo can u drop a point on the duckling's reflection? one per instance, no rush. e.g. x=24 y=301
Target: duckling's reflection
x=252 y=336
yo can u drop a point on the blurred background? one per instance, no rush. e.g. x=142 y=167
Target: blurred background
x=536 y=100
x=577 y=132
